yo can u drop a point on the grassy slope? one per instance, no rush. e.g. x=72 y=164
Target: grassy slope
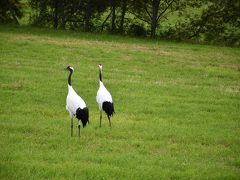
x=177 y=107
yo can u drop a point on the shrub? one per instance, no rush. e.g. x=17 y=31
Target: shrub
x=137 y=30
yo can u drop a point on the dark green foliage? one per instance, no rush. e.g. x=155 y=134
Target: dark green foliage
x=219 y=22
x=137 y=30
x=186 y=20
x=41 y=16
x=66 y=14
x=10 y=11
x=155 y=11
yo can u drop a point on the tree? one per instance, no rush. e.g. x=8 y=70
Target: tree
x=10 y=11
x=56 y=12
x=72 y=14
x=87 y=17
x=219 y=21
x=153 y=11
x=124 y=4
x=113 y=9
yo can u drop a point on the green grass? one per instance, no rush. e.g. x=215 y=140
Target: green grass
x=177 y=108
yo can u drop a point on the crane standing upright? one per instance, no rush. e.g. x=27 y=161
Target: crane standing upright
x=76 y=105
x=104 y=99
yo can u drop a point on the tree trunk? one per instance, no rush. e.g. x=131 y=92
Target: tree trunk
x=124 y=9
x=14 y=17
x=43 y=8
x=105 y=21
x=87 y=16
x=154 y=18
x=55 y=19
x=113 y=26
x=62 y=14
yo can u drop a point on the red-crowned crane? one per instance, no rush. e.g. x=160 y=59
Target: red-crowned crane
x=75 y=105
x=104 y=99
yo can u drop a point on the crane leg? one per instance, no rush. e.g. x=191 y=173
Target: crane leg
x=71 y=126
x=100 y=118
x=78 y=128
x=109 y=122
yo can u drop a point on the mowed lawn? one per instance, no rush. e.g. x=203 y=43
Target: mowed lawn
x=177 y=107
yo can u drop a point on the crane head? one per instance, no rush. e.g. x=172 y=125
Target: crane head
x=69 y=68
x=100 y=66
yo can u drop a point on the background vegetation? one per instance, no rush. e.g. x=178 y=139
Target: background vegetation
x=185 y=20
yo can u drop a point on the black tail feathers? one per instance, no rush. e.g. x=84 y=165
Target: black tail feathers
x=83 y=115
x=108 y=107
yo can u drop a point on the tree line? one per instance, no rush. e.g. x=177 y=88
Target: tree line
x=201 y=20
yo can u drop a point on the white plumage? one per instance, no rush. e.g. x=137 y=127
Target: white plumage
x=103 y=95
x=74 y=101
x=104 y=99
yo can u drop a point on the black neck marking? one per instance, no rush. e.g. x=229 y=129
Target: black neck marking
x=100 y=75
x=69 y=78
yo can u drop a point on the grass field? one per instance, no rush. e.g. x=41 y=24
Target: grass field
x=177 y=108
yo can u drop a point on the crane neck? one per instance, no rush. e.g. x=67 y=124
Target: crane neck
x=70 y=78
x=100 y=75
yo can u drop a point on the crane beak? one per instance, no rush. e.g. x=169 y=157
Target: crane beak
x=65 y=68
